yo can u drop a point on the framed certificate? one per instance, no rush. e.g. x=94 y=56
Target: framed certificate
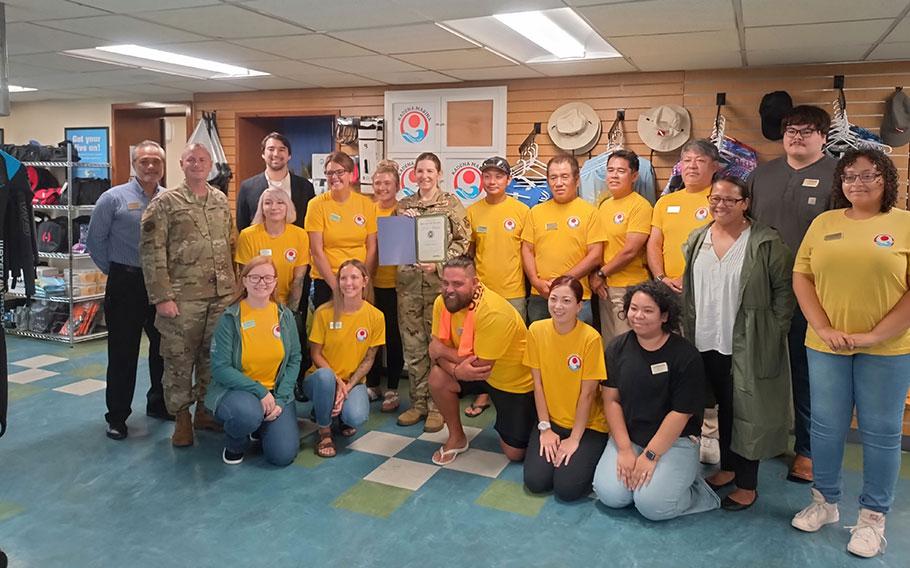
x=432 y=238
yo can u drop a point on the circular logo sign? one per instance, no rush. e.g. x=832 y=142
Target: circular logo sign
x=884 y=240
x=573 y=222
x=413 y=127
x=701 y=213
x=408 y=182
x=290 y=255
x=619 y=218
x=509 y=224
x=276 y=331
x=466 y=181
x=359 y=220
x=574 y=362
x=361 y=334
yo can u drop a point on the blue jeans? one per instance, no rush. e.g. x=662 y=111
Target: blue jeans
x=538 y=310
x=319 y=387
x=676 y=488
x=877 y=386
x=241 y=414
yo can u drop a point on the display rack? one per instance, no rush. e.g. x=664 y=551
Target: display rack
x=72 y=211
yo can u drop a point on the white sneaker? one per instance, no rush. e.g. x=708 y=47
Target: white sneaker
x=816 y=515
x=867 y=537
x=710 y=451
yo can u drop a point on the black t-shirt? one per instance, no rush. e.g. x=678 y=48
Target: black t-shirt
x=653 y=383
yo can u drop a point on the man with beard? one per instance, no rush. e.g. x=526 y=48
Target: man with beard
x=478 y=343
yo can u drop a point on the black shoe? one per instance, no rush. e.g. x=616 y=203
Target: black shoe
x=159 y=413
x=116 y=431
x=717 y=488
x=731 y=505
x=231 y=458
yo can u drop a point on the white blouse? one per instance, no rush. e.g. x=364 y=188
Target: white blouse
x=716 y=282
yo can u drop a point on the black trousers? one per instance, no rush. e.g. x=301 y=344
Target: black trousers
x=128 y=312
x=568 y=482
x=387 y=302
x=322 y=293
x=720 y=380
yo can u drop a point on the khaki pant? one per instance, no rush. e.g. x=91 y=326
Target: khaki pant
x=415 y=320
x=185 y=347
x=612 y=319
x=520 y=304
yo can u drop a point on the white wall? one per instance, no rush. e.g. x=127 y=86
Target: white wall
x=44 y=121
x=175 y=135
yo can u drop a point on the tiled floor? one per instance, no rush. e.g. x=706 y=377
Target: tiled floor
x=69 y=497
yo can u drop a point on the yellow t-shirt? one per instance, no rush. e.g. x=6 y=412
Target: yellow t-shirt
x=677 y=215
x=561 y=233
x=385 y=275
x=564 y=362
x=288 y=250
x=618 y=217
x=261 y=349
x=344 y=227
x=496 y=232
x=345 y=343
x=499 y=336
x=861 y=270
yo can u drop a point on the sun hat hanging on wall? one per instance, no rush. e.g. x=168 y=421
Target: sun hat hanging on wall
x=574 y=127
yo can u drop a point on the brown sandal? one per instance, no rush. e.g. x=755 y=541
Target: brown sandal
x=326 y=446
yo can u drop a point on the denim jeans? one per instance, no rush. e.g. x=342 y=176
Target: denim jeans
x=538 y=310
x=676 y=488
x=877 y=386
x=319 y=387
x=241 y=414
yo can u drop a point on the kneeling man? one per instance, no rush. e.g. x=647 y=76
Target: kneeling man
x=477 y=347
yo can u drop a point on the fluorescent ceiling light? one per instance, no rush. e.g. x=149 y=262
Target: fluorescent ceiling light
x=18 y=89
x=164 y=62
x=540 y=29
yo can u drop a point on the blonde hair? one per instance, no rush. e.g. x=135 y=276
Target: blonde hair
x=388 y=167
x=337 y=301
x=273 y=192
x=247 y=268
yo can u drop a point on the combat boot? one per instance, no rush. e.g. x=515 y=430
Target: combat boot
x=183 y=429
x=204 y=421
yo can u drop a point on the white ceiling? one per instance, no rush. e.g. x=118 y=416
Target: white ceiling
x=344 y=43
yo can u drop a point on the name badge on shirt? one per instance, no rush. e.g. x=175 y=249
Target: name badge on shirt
x=265 y=252
x=834 y=237
x=335 y=217
x=133 y=205
x=551 y=226
x=809 y=182
x=334 y=325
x=812 y=201
x=481 y=229
x=673 y=208
x=658 y=368
x=249 y=324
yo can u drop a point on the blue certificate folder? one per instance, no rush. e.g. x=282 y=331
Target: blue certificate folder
x=397 y=236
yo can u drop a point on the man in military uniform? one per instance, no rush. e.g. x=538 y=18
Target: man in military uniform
x=187 y=239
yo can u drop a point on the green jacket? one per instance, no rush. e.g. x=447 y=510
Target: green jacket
x=226 y=359
x=761 y=360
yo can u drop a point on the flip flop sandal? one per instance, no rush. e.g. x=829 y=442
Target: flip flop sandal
x=444 y=455
x=476 y=409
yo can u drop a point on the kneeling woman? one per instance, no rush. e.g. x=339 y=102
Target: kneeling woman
x=567 y=363
x=653 y=401
x=346 y=334
x=255 y=361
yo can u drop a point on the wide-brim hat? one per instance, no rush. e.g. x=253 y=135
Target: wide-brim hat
x=774 y=106
x=896 y=122
x=665 y=128
x=574 y=127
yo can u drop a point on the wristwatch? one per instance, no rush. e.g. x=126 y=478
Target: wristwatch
x=600 y=273
x=543 y=426
x=651 y=456
x=660 y=277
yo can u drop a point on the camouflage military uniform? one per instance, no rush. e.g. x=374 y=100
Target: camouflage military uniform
x=186 y=255
x=417 y=291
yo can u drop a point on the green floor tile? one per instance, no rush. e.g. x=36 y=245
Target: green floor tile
x=484 y=420
x=307 y=458
x=853 y=457
x=91 y=371
x=8 y=510
x=373 y=499
x=511 y=497
x=376 y=419
x=18 y=392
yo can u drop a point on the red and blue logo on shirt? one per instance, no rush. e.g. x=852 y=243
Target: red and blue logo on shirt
x=290 y=255
x=619 y=218
x=362 y=334
x=360 y=220
x=701 y=213
x=276 y=331
x=574 y=362
x=884 y=240
x=573 y=222
x=509 y=224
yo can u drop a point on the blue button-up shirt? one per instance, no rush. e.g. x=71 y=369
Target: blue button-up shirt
x=113 y=233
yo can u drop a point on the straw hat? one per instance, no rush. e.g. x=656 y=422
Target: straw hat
x=574 y=127
x=664 y=128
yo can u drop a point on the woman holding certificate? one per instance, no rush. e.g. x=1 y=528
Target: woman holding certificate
x=445 y=227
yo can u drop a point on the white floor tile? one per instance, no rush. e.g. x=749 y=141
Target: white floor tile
x=480 y=462
x=81 y=388
x=381 y=443
x=40 y=361
x=402 y=473
x=30 y=375
x=443 y=435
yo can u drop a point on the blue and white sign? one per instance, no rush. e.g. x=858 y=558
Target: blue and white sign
x=93 y=145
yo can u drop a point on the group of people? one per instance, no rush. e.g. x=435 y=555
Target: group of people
x=714 y=305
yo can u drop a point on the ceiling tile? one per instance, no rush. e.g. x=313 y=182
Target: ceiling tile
x=289 y=68
x=895 y=50
x=206 y=86
x=343 y=80
x=337 y=15
x=404 y=39
x=270 y=83
x=43 y=95
x=154 y=90
x=900 y=33
x=826 y=54
x=411 y=77
x=806 y=36
x=439 y=11
x=73 y=80
x=560 y=69
x=121 y=7
x=220 y=51
x=591 y=2
x=227 y=22
x=39 y=10
x=25 y=38
x=696 y=42
x=19 y=71
x=455 y=59
x=97 y=93
x=58 y=62
x=776 y=12
x=371 y=64
x=304 y=46
x=682 y=60
x=121 y=29
x=660 y=16
x=494 y=73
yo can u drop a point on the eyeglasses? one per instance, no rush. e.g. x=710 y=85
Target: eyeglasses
x=335 y=173
x=865 y=177
x=255 y=279
x=728 y=201
x=803 y=132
